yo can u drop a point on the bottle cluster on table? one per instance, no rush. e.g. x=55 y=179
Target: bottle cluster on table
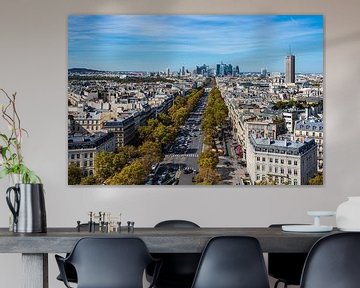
x=104 y=222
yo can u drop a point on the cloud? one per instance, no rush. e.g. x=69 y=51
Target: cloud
x=194 y=34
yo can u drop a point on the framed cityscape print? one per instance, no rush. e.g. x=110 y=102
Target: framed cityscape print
x=195 y=100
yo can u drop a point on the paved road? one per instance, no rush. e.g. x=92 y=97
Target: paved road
x=181 y=159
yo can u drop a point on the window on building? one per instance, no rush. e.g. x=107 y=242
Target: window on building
x=289 y=162
x=295 y=182
x=276 y=169
x=270 y=168
x=271 y=160
x=91 y=155
x=289 y=171
x=282 y=161
x=295 y=162
x=86 y=155
x=276 y=160
x=90 y=163
x=262 y=167
x=257 y=177
x=282 y=170
x=258 y=167
x=72 y=156
x=257 y=158
x=78 y=156
x=263 y=159
x=295 y=172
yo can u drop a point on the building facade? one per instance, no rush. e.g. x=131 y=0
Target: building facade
x=280 y=161
x=82 y=150
x=312 y=129
x=124 y=130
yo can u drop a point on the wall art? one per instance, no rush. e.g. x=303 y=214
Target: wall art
x=195 y=99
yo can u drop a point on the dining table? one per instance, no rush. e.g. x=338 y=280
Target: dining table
x=35 y=247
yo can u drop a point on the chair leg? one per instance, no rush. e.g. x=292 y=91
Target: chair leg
x=277 y=283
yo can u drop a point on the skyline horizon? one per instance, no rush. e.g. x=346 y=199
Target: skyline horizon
x=155 y=43
x=164 y=70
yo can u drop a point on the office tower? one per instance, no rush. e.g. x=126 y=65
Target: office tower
x=217 y=69
x=183 y=70
x=168 y=71
x=290 y=69
x=263 y=72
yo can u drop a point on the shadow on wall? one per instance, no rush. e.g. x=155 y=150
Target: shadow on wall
x=344 y=39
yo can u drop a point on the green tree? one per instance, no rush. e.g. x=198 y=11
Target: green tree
x=103 y=166
x=164 y=134
x=164 y=119
x=89 y=180
x=74 y=174
x=208 y=159
x=146 y=131
x=133 y=174
x=317 y=179
x=207 y=176
x=127 y=153
x=151 y=152
x=179 y=116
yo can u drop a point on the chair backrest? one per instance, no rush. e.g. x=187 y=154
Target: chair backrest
x=110 y=262
x=286 y=266
x=177 y=267
x=176 y=224
x=232 y=262
x=333 y=262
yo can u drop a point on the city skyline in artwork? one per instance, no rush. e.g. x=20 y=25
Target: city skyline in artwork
x=195 y=100
x=156 y=43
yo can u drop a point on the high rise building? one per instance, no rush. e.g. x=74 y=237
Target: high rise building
x=183 y=70
x=290 y=69
x=263 y=72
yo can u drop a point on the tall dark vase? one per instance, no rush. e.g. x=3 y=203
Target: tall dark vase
x=27 y=204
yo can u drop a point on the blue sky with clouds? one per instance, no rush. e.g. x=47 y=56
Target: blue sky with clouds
x=155 y=43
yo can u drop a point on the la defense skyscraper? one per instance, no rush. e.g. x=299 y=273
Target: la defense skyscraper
x=290 y=69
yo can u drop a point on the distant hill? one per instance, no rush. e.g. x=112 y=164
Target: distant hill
x=83 y=70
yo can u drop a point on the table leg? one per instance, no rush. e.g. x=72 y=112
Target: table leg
x=35 y=270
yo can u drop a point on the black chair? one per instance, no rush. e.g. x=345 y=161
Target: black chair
x=108 y=263
x=178 y=269
x=69 y=269
x=286 y=267
x=333 y=262
x=232 y=262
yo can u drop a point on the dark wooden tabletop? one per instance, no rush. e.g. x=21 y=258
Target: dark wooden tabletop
x=158 y=240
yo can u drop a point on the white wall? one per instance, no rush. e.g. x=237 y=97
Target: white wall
x=33 y=62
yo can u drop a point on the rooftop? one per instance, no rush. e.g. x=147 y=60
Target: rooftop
x=309 y=125
x=281 y=146
x=89 y=141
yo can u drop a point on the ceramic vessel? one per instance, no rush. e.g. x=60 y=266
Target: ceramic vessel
x=27 y=204
x=348 y=214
